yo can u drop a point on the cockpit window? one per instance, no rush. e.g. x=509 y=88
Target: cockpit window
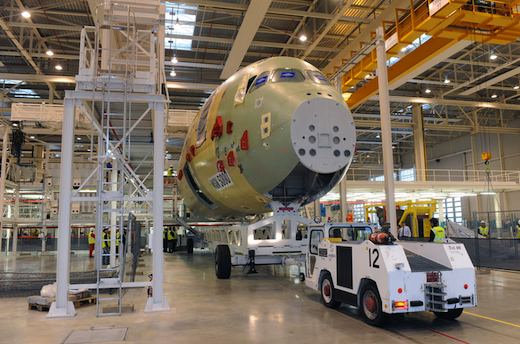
x=317 y=77
x=201 y=128
x=250 y=82
x=260 y=81
x=288 y=75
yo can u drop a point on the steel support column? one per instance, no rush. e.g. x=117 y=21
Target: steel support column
x=158 y=302
x=474 y=158
x=386 y=131
x=343 y=183
x=503 y=195
x=16 y=215
x=62 y=307
x=418 y=142
x=317 y=209
x=44 y=208
x=343 y=200
x=3 y=171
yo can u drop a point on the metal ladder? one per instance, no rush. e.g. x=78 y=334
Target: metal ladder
x=112 y=170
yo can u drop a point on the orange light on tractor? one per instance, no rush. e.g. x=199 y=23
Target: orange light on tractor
x=486 y=156
x=400 y=304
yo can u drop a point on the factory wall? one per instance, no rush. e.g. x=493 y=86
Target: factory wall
x=457 y=154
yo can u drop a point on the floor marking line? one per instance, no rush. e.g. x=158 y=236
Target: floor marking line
x=492 y=319
x=450 y=337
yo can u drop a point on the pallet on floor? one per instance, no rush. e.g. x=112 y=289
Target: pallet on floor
x=85 y=301
x=43 y=304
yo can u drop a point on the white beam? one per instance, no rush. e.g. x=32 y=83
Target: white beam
x=70 y=80
x=195 y=65
x=191 y=86
x=428 y=63
x=265 y=44
x=454 y=102
x=253 y=18
x=38 y=77
x=492 y=81
x=279 y=11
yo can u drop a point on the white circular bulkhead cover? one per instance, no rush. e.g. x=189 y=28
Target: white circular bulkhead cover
x=323 y=135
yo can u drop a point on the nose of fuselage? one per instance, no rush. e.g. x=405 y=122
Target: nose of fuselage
x=323 y=134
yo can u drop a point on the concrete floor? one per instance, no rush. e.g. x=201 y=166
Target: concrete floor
x=266 y=308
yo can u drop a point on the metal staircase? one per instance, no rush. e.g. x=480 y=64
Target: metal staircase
x=119 y=65
x=118 y=85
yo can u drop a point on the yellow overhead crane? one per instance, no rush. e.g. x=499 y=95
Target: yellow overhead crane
x=447 y=22
x=416 y=214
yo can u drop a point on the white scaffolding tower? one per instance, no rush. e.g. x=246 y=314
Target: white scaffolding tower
x=118 y=85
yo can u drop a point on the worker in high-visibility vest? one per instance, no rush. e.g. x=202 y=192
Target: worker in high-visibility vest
x=483 y=229
x=437 y=233
x=91 y=242
x=170 y=236
x=118 y=240
x=165 y=240
x=105 y=245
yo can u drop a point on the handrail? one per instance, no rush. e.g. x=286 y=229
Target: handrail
x=444 y=175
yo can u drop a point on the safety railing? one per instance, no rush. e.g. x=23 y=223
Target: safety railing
x=451 y=19
x=134 y=57
x=490 y=7
x=444 y=175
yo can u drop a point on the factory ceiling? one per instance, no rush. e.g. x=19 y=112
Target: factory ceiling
x=474 y=89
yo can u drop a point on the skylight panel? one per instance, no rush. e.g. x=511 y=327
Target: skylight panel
x=179 y=20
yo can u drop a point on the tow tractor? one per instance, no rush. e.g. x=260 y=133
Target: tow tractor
x=382 y=277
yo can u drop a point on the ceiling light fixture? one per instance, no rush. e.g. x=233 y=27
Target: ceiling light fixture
x=26 y=14
x=177 y=25
x=32 y=137
x=403 y=49
x=447 y=81
x=516 y=87
x=58 y=67
x=174 y=59
x=303 y=37
x=493 y=57
x=427 y=91
x=78 y=138
x=172 y=73
x=493 y=96
x=49 y=52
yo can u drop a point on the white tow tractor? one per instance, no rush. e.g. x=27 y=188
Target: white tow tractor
x=391 y=278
